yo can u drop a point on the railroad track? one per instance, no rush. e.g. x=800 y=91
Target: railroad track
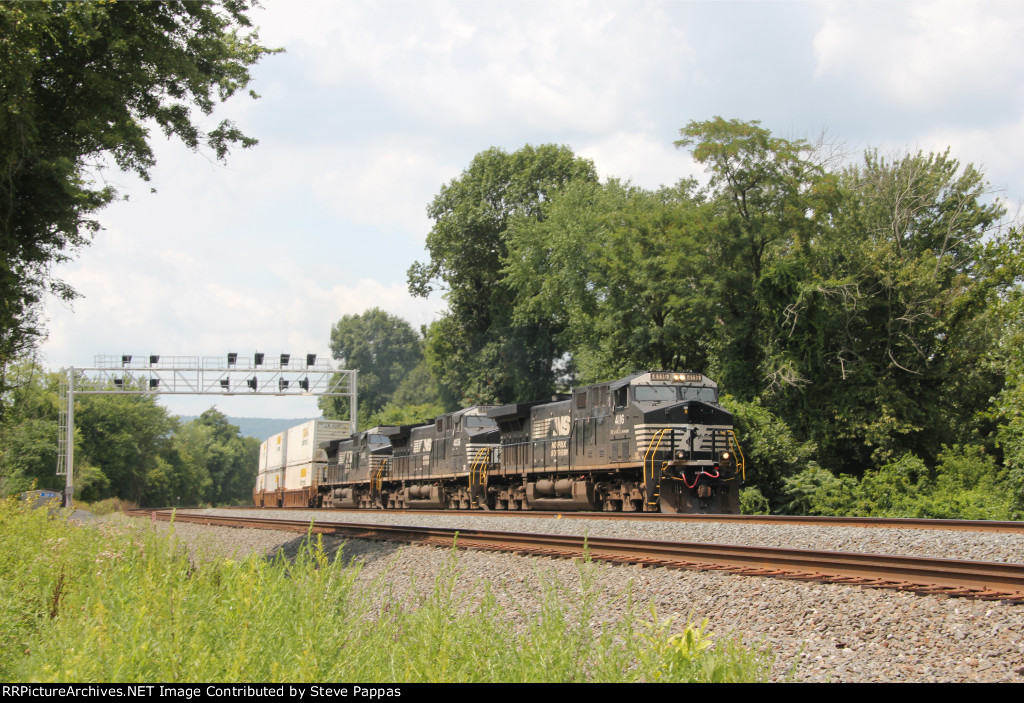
x=830 y=521
x=945 y=577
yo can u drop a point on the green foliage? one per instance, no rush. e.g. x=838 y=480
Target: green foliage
x=753 y=502
x=384 y=349
x=684 y=656
x=107 y=506
x=965 y=484
x=761 y=189
x=126 y=446
x=82 y=83
x=229 y=459
x=28 y=429
x=395 y=414
x=107 y=604
x=857 y=314
x=810 y=489
x=480 y=352
x=888 y=314
x=419 y=387
x=125 y=436
x=771 y=451
x=621 y=271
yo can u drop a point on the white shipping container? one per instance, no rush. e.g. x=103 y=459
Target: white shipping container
x=274 y=480
x=263 y=456
x=298 y=476
x=304 y=439
x=277 y=451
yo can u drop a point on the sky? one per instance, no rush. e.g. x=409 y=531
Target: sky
x=375 y=105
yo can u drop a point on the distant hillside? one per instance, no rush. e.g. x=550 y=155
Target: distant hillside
x=259 y=427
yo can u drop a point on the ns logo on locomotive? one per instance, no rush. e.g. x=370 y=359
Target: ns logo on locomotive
x=652 y=441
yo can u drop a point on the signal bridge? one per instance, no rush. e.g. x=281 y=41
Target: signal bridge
x=225 y=375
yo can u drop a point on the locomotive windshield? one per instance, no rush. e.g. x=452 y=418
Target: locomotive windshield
x=479 y=421
x=662 y=393
x=655 y=393
x=709 y=395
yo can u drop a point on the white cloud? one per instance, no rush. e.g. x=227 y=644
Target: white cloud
x=644 y=161
x=923 y=54
x=386 y=187
x=564 y=65
x=998 y=152
x=142 y=313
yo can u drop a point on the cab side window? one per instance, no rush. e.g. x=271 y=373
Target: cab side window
x=621 y=397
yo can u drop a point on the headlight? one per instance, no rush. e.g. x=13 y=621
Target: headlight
x=680 y=455
x=726 y=456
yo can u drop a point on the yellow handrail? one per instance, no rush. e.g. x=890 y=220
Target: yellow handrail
x=377 y=474
x=476 y=469
x=731 y=434
x=652 y=448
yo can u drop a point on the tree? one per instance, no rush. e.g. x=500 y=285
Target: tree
x=82 y=84
x=762 y=188
x=889 y=313
x=125 y=437
x=482 y=353
x=207 y=462
x=28 y=429
x=622 y=271
x=383 y=348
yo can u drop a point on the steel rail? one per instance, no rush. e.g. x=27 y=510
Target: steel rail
x=987 y=580
x=813 y=520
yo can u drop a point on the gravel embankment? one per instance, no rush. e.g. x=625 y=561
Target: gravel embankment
x=944 y=544
x=828 y=632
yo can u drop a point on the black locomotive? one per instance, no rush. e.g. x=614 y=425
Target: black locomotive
x=657 y=440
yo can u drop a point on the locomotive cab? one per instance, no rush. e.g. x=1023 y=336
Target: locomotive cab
x=692 y=461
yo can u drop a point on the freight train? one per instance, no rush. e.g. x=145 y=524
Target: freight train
x=652 y=441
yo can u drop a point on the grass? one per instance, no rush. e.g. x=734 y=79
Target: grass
x=107 y=506
x=127 y=605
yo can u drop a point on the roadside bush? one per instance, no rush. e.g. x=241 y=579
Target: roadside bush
x=753 y=502
x=771 y=451
x=965 y=484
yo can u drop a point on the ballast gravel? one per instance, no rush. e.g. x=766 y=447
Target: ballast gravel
x=818 y=632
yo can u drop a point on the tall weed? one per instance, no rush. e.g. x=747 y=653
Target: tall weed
x=114 y=604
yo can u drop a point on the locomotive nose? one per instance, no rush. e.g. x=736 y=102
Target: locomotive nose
x=694 y=412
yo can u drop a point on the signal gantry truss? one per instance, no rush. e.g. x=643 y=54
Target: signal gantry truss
x=225 y=375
